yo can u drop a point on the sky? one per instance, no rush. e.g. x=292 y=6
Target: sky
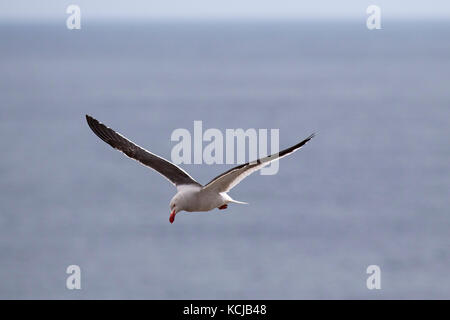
x=29 y=10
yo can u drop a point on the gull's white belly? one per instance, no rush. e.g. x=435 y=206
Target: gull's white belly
x=201 y=200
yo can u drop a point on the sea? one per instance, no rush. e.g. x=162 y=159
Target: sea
x=371 y=188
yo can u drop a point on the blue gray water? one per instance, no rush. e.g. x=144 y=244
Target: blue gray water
x=371 y=188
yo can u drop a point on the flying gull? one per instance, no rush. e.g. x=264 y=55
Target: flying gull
x=191 y=196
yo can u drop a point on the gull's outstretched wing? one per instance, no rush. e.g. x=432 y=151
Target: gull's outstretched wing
x=227 y=180
x=173 y=173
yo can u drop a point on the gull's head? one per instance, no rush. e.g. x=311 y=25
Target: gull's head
x=175 y=207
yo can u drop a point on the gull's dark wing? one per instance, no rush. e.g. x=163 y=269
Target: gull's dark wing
x=227 y=180
x=173 y=173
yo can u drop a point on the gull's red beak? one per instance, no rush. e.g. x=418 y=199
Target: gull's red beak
x=172 y=216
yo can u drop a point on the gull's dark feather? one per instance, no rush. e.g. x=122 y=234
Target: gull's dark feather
x=173 y=173
x=227 y=180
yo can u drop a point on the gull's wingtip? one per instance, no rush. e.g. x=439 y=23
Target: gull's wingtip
x=91 y=121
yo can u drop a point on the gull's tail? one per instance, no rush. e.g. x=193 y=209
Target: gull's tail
x=229 y=199
x=239 y=202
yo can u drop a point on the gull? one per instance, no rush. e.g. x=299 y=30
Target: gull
x=191 y=196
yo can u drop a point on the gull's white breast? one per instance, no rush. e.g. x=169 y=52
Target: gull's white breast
x=195 y=198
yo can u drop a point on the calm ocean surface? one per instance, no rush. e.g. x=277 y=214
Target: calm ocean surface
x=371 y=188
